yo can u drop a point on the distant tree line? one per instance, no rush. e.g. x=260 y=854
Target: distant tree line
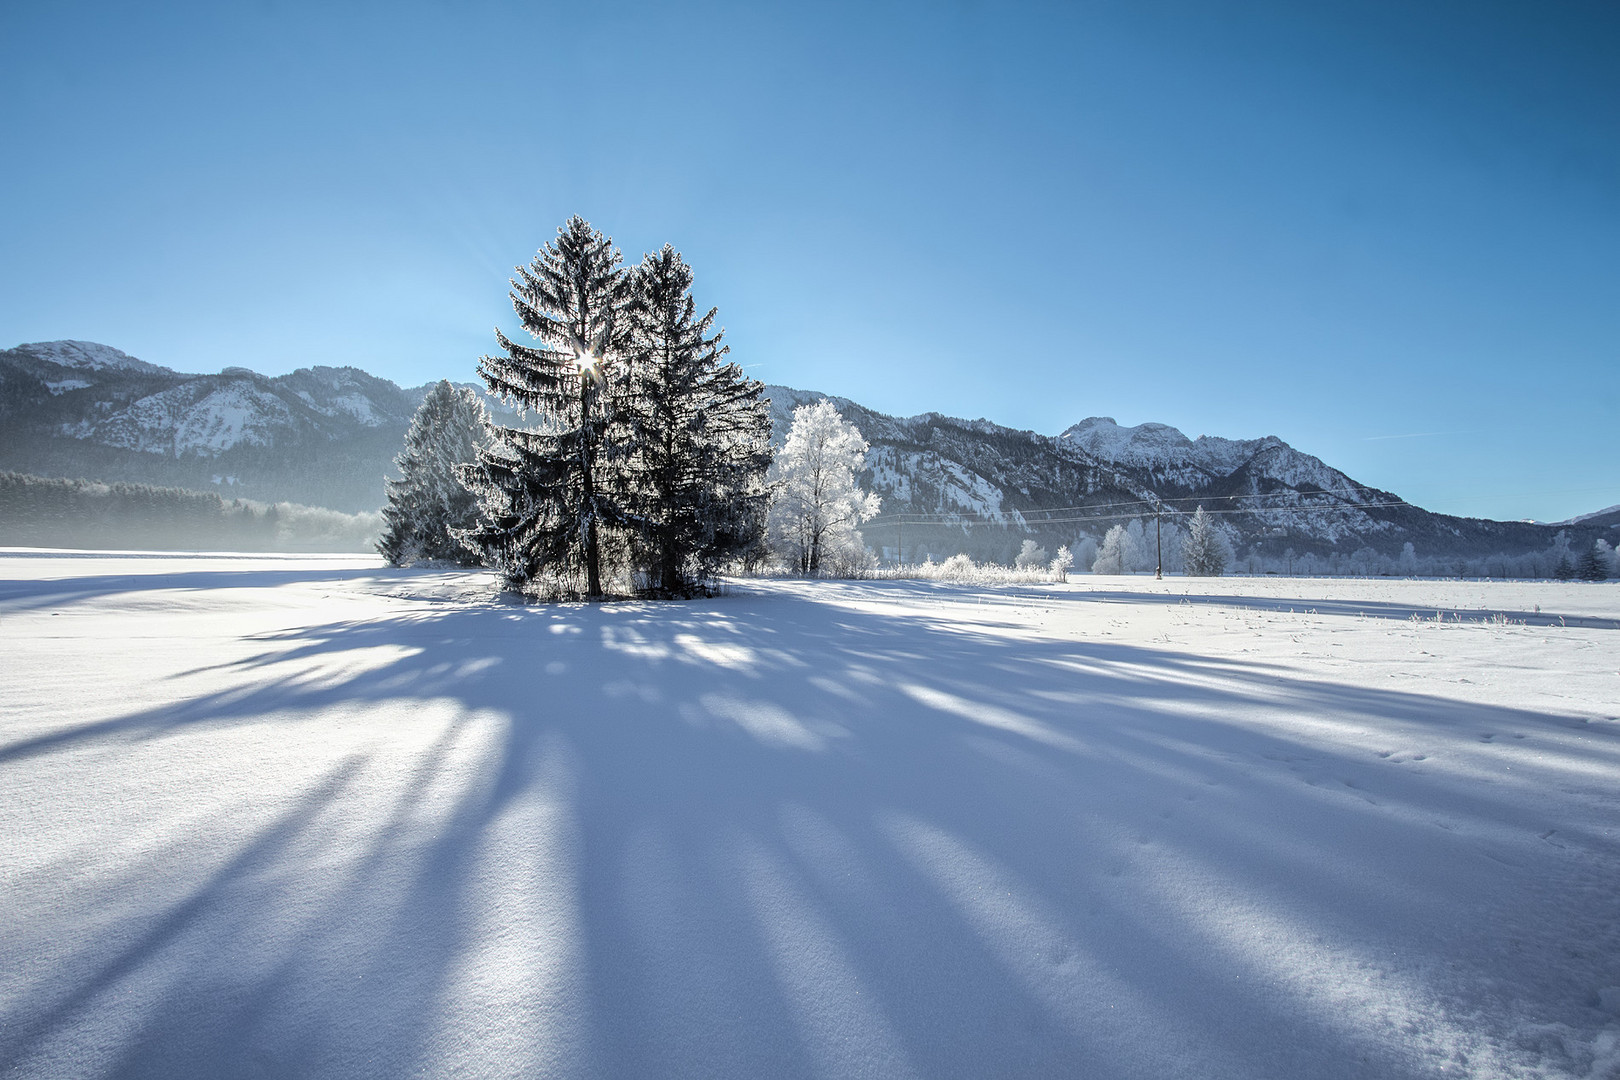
x=38 y=511
x=1211 y=549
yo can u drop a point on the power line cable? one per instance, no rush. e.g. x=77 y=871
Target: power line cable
x=950 y=518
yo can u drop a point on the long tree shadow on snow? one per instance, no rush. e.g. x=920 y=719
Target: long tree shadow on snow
x=1366 y=609
x=35 y=593
x=776 y=835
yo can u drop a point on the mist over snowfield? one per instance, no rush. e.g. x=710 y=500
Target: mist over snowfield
x=303 y=815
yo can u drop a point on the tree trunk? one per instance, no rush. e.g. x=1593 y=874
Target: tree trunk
x=587 y=461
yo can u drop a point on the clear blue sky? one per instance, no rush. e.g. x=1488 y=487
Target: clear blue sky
x=1386 y=232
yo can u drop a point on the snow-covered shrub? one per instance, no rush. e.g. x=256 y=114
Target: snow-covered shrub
x=961 y=568
x=1061 y=563
x=847 y=557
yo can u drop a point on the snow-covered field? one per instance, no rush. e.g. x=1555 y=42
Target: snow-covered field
x=304 y=816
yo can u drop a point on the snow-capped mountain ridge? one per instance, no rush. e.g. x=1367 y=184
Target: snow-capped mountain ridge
x=1606 y=512
x=165 y=412
x=327 y=436
x=984 y=487
x=1161 y=446
x=79 y=408
x=87 y=356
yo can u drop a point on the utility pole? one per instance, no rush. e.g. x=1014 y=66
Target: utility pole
x=1158 y=542
x=900 y=541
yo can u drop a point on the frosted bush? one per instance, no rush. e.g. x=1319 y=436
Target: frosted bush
x=961 y=568
x=849 y=558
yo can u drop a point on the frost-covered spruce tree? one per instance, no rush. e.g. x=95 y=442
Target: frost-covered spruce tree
x=817 y=506
x=547 y=493
x=1206 y=551
x=699 y=434
x=428 y=506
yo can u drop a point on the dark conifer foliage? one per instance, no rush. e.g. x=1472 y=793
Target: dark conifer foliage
x=1590 y=566
x=429 y=507
x=699 y=432
x=641 y=459
x=545 y=505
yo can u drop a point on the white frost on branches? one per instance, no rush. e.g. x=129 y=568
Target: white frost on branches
x=1030 y=556
x=1206 y=552
x=817 y=506
x=1119 y=552
x=1061 y=564
x=429 y=506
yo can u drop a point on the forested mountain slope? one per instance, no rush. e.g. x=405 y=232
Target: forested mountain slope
x=327 y=436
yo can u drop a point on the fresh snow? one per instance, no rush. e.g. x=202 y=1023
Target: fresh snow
x=957 y=490
x=306 y=816
x=236 y=413
x=354 y=405
x=1153 y=445
x=88 y=356
x=198 y=418
x=1605 y=512
x=1171 y=455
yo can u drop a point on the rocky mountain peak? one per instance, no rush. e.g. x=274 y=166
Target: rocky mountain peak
x=86 y=356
